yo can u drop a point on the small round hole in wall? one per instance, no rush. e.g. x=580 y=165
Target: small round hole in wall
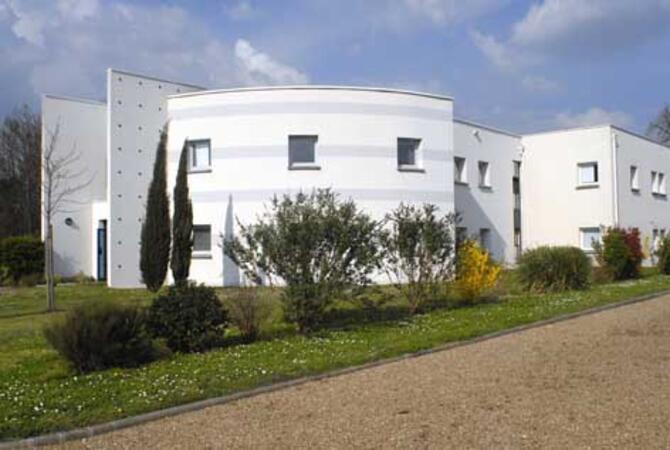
x=119 y=102
x=120 y=79
x=118 y=266
x=139 y=174
x=139 y=128
x=118 y=172
x=139 y=196
x=140 y=105
x=160 y=108
x=139 y=150
x=119 y=195
x=118 y=242
x=119 y=149
x=119 y=125
x=69 y=222
x=119 y=219
x=140 y=82
x=160 y=86
x=178 y=90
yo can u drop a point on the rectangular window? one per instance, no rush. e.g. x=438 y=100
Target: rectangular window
x=588 y=236
x=654 y=239
x=200 y=155
x=408 y=153
x=634 y=178
x=654 y=182
x=302 y=152
x=661 y=183
x=485 y=239
x=484 y=174
x=460 y=172
x=587 y=173
x=202 y=238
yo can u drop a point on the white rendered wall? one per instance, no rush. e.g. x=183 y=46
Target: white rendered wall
x=356 y=150
x=493 y=207
x=81 y=127
x=641 y=209
x=137 y=113
x=554 y=208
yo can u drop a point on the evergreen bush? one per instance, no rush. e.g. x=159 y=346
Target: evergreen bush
x=553 y=269
x=100 y=335
x=189 y=317
x=21 y=257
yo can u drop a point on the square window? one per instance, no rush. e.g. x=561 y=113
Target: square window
x=460 y=172
x=202 y=238
x=587 y=236
x=461 y=235
x=200 y=155
x=587 y=173
x=302 y=151
x=484 y=174
x=485 y=239
x=408 y=150
x=634 y=178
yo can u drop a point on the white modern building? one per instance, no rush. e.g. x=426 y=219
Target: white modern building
x=377 y=146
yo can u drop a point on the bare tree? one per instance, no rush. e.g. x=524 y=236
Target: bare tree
x=61 y=181
x=20 y=139
x=659 y=129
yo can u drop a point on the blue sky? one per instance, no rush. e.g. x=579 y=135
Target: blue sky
x=520 y=65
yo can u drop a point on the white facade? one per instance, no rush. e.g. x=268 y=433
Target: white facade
x=377 y=146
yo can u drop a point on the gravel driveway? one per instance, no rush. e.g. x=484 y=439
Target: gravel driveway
x=599 y=381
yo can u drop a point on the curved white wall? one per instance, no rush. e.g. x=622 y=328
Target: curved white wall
x=357 y=151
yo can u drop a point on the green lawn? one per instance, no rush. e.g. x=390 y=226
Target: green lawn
x=39 y=394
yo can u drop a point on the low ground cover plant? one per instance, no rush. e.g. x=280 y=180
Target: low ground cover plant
x=554 y=269
x=476 y=272
x=100 y=335
x=419 y=252
x=190 y=318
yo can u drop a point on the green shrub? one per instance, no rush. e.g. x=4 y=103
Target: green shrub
x=190 y=318
x=321 y=248
x=620 y=253
x=553 y=269
x=99 y=335
x=663 y=254
x=21 y=256
x=248 y=310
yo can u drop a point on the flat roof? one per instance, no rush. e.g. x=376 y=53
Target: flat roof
x=75 y=99
x=149 y=77
x=486 y=127
x=312 y=87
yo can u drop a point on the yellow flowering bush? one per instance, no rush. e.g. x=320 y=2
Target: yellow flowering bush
x=476 y=273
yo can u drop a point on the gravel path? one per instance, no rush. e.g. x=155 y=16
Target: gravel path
x=599 y=381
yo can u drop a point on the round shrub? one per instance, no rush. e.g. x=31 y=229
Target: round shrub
x=99 y=335
x=553 y=269
x=190 y=318
x=21 y=256
x=249 y=310
x=620 y=253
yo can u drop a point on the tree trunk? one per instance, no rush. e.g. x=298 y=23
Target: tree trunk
x=49 y=266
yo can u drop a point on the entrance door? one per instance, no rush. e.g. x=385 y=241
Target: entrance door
x=102 y=250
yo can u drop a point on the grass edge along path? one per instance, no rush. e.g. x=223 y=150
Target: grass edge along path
x=30 y=408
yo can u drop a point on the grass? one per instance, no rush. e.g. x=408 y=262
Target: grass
x=39 y=393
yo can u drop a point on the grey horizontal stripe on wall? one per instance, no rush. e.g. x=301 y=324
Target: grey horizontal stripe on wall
x=244 y=109
x=263 y=195
x=325 y=151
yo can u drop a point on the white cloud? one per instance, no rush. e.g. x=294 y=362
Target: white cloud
x=536 y=83
x=577 y=29
x=259 y=68
x=242 y=10
x=593 y=116
x=65 y=47
x=448 y=11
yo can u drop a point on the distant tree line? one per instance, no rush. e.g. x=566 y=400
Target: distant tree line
x=20 y=183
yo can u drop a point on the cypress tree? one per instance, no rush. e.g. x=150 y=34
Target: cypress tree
x=182 y=223
x=155 y=243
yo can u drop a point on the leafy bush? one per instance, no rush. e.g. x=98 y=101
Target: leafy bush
x=99 y=335
x=547 y=269
x=419 y=252
x=476 y=273
x=21 y=256
x=190 y=318
x=248 y=310
x=620 y=253
x=319 y=246
x=663 y=254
